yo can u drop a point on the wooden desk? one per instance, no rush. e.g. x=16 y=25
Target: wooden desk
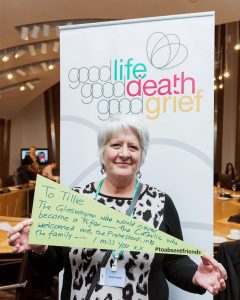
x=223 y=209
x=15 y=203
x=4 y=247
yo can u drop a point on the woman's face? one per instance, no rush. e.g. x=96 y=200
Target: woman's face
x=229 y=167
x=122 y=154
x=32 y=150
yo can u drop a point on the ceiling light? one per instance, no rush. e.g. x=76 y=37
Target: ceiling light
x=5 y=58
x=220 y=77
x=32 y=50
x=237 y=46
x=55 y=47
x=22 y=88
x=21 y=72
x=226 y=74
x=24 y=33
x=44 y=66
x=51 y=67
x=30 y=85
x=9 y=76
x=35 y=31
x=43 y=48
x=215 y=87
x=19 y=53
x=221 y=86
x=46 y=30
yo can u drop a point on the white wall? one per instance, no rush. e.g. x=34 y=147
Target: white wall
x=27 y=128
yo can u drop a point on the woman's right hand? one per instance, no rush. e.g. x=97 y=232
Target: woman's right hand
x=18 y=238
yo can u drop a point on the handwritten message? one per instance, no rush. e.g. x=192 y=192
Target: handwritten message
x=63 y=217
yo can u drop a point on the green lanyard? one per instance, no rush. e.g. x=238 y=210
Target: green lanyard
x=114 y=254
x=98 y=188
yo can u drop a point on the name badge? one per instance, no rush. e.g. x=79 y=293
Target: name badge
x=112 y=278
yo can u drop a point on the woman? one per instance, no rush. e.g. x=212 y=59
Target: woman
x=123 y=143
x=232 y=172
x=31 y=157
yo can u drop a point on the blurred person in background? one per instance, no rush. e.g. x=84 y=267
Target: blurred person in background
x=230 y=170
x=33 y=170
x=31 y=157
x=48 y=171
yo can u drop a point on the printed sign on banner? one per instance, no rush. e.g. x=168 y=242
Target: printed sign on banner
x=161 y=70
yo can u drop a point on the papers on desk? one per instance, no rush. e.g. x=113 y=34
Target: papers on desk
x=223 y=198
x=230 y=237
x=13 y=188
x=235 y=196
x=219 y=239
x=5 y=226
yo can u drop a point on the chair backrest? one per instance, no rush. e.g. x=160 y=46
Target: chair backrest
x=29 y=282
x=8 y=181
x=229 y=255
x=23 y=293
x=21 y=174
x=18 y=264
x=225 y=181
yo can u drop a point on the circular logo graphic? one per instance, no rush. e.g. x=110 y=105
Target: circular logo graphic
x=165 y=51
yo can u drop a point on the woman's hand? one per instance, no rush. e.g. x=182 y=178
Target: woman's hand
x=18 y=238
x=210 y=275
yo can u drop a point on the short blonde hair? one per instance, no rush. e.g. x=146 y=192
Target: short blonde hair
x=120 y=122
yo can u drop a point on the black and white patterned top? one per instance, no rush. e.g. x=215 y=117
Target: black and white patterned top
x=146 y=273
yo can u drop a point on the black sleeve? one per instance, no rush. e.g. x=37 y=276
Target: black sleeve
x=178 y=269
x=27 y=160
x=51 y=263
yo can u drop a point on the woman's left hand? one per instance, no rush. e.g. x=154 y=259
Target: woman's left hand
x=210 y=275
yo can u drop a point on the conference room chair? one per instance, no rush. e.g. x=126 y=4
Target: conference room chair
x=8 y=181
x=14 y=268
x=225 y=181
x=229 y=255
x=29 y=285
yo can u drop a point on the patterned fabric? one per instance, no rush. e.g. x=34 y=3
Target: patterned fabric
x=85 y=262
x=146 y=273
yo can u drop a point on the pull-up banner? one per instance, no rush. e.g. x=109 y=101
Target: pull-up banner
x=162 y=71
x=63 y=217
